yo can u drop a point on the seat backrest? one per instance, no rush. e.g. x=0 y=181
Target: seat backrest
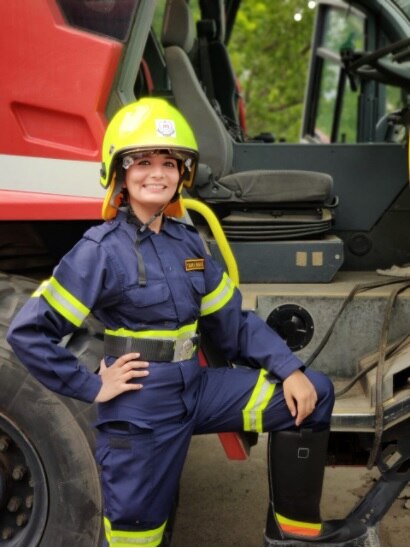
x=211 y=35
x=214 y=142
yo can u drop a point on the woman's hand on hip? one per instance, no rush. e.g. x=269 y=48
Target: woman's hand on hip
x=116 y=378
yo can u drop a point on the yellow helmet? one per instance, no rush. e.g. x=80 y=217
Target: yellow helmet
x=148 y=124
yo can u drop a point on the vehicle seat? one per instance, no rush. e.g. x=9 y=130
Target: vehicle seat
x=214 y=66
x=217 y=183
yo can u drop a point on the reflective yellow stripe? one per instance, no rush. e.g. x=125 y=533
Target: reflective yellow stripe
x=62 y=301
x=153 y=537
x=218 y=298
x=298 y=527
x=184 y=332
x=40 y=289
x=261 y=395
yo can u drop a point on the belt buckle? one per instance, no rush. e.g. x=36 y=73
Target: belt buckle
x=183 y=350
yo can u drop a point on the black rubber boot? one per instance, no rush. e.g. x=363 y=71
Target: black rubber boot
x=296 y=463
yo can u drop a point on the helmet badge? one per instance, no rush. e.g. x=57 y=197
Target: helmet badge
x=165 y=128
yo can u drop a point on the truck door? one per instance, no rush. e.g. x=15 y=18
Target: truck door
x=353 y=128
x=357 y=114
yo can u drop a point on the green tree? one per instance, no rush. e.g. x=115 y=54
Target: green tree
x=270 y=55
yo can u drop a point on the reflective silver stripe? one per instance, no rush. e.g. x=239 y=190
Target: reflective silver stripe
x=122 y=540
x=217 y=299
x=259 y=400
x=63 y=301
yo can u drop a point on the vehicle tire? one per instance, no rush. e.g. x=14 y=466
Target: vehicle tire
x=49 y=483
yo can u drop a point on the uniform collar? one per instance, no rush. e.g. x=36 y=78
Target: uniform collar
x=130 y=228
x=170 y=227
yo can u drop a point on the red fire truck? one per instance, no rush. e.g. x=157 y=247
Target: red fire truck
x=319 y=230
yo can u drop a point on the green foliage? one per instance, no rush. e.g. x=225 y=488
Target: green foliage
x=270 y=54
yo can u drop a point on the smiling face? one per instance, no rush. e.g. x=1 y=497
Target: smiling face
x=151 y=181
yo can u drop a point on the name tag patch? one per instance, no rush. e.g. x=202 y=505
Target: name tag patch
x=194 y=264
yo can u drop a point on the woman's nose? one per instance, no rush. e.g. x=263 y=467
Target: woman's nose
x=157 y=170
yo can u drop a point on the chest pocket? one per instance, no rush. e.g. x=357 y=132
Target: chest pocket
x=198 y=284
x=196 y=289
x=149 y=304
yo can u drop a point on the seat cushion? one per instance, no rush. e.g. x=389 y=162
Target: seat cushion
x=277 y=186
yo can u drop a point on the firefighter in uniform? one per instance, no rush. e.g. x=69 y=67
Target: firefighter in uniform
x=148 y=278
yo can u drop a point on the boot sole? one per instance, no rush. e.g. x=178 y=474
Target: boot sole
x=370 y=538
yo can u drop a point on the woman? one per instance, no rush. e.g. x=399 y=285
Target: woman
x=148 y=278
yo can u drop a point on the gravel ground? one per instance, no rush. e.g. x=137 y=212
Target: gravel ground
x=224 y=502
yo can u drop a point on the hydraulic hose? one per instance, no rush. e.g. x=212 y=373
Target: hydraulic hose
x=218 y=234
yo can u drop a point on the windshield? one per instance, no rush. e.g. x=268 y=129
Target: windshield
x=108 y=17
x=404 y=5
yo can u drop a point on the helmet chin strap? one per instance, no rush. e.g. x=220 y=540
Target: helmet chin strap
x=143 y=227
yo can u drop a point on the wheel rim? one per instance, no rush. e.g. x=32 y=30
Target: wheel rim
x=23 y=488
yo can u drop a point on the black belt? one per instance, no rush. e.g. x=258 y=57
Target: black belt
x=152 y=350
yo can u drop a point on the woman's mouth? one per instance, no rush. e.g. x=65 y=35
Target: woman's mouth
x=154 y=186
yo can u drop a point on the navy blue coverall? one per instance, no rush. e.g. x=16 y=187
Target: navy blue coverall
x=186 y=291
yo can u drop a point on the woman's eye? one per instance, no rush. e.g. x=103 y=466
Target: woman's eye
x=143 y=163
x=170 y=164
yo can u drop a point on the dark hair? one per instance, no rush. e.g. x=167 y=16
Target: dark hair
x=124 y=196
